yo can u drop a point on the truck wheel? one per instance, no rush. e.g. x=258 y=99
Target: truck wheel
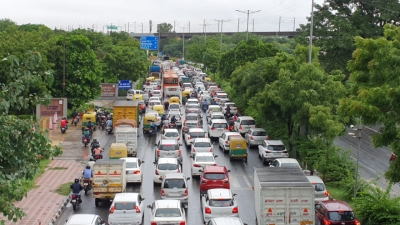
x=96 y=202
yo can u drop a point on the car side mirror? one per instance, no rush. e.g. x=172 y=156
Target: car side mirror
x=215 y=156
x=160 y=178
x=142 y=199
x=187 y=178
x=190 y=156
x=234 y=194
x=142 y=161
x=229 y=171
x=150 y=207
x=154 y=162
x=200 y=170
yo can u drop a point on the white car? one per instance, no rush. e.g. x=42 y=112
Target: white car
x=154 y=102
x=244 y=123
x=154 y=99
x=148 y=88
x=219 y=202
x=191 y=106
x=213 y=88
x=165 y=165
x=89 y=219
x=321 y=194
x=201 y=160
x=188 y=86
x=175 y=106
x=171 y=134
x=285 y=162
x=192 y=101
x=272 y=149
x=225 y=138
x=225 y=221
x=177 y=115
x=192 y=133
x=217 y=128
x=154 y=84
x=167 y=212
x=126 y=208
x=133 y=170
x=232 y=106
x=157 y=93
x=213 y=108
x=201 y=145
x=215 y=115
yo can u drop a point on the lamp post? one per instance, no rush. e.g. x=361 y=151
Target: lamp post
x=311 y=31
x=183 y=43
x=248 y=12
x=222 y=23
x=205 y=31
x=358 y=136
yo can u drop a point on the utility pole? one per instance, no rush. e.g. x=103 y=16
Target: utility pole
x=311 y=32
x=294 y=23
x=142 y=28
x=248 y=12
x=183 y=43
x=253 y=25
x=222 y=24
x=128 y=27
x=174 y=26
x=64 y=70
x=238 y=24
x=125 y=27
x=134 y=28
x=189 y=26
x=218 y=23
x=280 y=19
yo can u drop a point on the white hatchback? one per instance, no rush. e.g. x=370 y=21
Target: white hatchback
x=201 y=160
x=89 y=219
x=201 y=145
x=126 y=208
x=172 y=134
x=167 y=212
x=133 y=170
x=165 y=165
x=217 y=128
x=219 y=202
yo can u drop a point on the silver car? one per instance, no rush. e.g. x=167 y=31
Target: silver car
x=215 y=115
x=201 y=145
x=167 y=212
x=321 y=194
x=168 y=148
x=174 y=186
x=272 y=149
x=219 y=202
x=201 y=160
x=226 y=221
x=164 y=166
x=256 y=136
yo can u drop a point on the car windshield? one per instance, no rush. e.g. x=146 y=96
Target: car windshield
x=341 y=216
x=197 y=134
x=235 y=135
x=131 y=92
x=230 y=104
x=187 y=85
x=218 y=117
x=174 y=183
x=289 y=165
x=248 y=122
x=174 y=106
x=169 y=147
x=220 y=125
x=168 y=166
x=191 y=124
x=319 y=187
x=214 y=176
x=171 y=134
x=124 y=205
x=259 y=133
x=202 y=144
x=131 y=165
x=193 y=111
x=191 y=117
x=168 y=212
x=220 y=202
x=276 y=147
x=204 y=159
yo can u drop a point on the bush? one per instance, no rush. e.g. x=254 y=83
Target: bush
x=347 y=184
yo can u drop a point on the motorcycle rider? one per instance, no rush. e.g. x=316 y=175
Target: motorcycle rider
x=74 y=115
x=234 y=117
x=105 y=112
x=228 y=110
x=173 y=120
x=86 y=134
x=205 y=105
x=165 y=124
x=97 y=151
x=88 y=174
x=91 y=162
x=64 y=123
x=76 y=188
x=153 y=126
x=109 y=122
x=89 y=125
x=94 y=144
x=231 y=123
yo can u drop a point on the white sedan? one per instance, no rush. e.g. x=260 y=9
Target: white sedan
x=201 y=160
x=133 y=170
x=172 y=134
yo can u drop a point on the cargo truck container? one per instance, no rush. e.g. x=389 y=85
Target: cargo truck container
x=127 y=135
x=109 y=178
x=125 y=110
x=283 y=196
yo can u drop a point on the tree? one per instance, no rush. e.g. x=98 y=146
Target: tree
x=33 y=27
x=375 y=90
x=82 y=74
x=6 y=23
x=164 y=28
x=20 y=145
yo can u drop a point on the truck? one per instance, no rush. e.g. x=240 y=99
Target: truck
x=155 y=68
x=109 y=178
x=127 y=134
x=125 y=110
x=283 y=195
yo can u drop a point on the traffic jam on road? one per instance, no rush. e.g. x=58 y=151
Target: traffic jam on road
x=180 y=153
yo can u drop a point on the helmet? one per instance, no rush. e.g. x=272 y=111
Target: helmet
x=87 y=167
x=76 y=180
x=86 y=128
x=94 y=140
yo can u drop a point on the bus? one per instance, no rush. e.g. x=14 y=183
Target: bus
x=171 y=85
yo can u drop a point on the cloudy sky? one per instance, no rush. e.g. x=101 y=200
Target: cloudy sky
x=125 y=14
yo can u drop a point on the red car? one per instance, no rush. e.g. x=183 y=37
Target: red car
x=334 y=212
x=214 y=177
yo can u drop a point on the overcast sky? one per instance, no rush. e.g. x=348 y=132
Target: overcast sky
x=127 y=13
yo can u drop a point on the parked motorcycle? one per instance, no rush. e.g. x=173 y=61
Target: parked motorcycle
x=87 y=185
x=75 y=201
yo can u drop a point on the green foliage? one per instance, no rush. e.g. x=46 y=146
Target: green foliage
x=33 y=27
x=22 y=148
x=64 y=189
x=164 y=28
x=376 y=206
x=375 y=90
x=6 y=23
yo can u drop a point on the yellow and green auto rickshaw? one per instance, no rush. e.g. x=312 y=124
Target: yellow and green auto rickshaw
x=150 y=79
x=118 y=150
x=207 y=79
x=238 y=148
x=147 y=122
x=89 y=116
x=174 y=100
x=159 y=109
x=137 y=97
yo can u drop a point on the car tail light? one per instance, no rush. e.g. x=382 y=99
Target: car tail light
x=210 y=149
x=240 y=127
x=196 y=165
x=137 y=209
x=179 y=138
x=162 y=192
x=267 y=138
x=226 y=142
x=214 y=164
x=73 y=196
x=186 y=192
x=136 y=172
x=194 y=150
x=226 y=181
x=182 y=223
x=252 y=138
x=179 y=152
x=357 y=222
x=208 y=210
x=235 y=210
x=156 y=172
x=212 y=128
x=327 y=222
x=153 y=223
x=326 y=193
x=158 y=152
x=112 y=210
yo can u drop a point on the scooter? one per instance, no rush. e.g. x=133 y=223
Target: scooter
x=75 y=121
x=109 y=129
x=152 y=132
x=63 y=130
x=87 y=185
x=75 y=200
x=85 y=141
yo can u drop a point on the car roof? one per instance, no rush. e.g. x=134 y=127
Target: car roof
x=219 y=193
x=79 y=219
x=171 y=130
x=130 y=159
x=257 y=129
x=315 y=179
x=274 y=142
x=202 y=140
x=192 y=100
x=335 y=205
x=196 y=130
x=174 y=175
x=214 y=169
x=204 y=154
x=125 y=197
x=167 y=160
x=167 y=203
x=168 y=141
x=245 y=118
x=287 y=160
x=174 y=103
x=214 y=106
x=218 y=121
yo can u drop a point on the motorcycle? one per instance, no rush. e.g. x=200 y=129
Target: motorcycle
x=232 y=128
x=75 y=201
x=102 y=123
x=75 y=121
x=87 y=185
x=95 y=145
x=152 y=131
x=172 y=126
x=109 y=129
x=85 y=141
x=204 y=107
x=96 y=157
x=63 y=130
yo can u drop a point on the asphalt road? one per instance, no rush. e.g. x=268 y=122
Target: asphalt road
x=241 y=179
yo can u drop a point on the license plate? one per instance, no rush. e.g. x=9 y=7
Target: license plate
x=85 y=183
x=73 y=200
x=174 y=194
x=277 y=153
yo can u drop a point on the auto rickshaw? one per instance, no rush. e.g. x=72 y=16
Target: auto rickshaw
x=147 y=122
x=118 y=150
x=174 y=100
x=137 y=97
x=238 y=148
x=89 y=116
x=184 y=93
x=150 y=79
x=207 y=79
x=159 y=109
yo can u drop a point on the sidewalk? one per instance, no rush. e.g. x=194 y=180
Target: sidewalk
x=42 y=202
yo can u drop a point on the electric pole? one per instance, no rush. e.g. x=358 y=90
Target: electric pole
x=294 y=23
x=128 y=27
x=189 y=27
x=311 y=32
x=183 y=43
x=238 y=24
x=142 y=28
x=218 y=24
x=222 y=24
x=248 y=12
x=64 y=69
x=205 y=30
x=280 y=19
x=134 y=28
x=174 y=25
x=253 y=25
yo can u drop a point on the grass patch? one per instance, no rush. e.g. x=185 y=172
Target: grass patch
x=64 y=189
x=58 y=168
x=27 y=185
x=338 y=193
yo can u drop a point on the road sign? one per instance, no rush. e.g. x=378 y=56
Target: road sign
x=112 y=27
x=149 y=42
x=124 y=84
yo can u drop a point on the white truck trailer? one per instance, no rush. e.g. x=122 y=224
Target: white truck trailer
x=283 y=196
x=128 y=135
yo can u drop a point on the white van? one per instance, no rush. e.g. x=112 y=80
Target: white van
x=131 y=93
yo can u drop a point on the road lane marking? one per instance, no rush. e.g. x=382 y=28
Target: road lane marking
x=372 y=129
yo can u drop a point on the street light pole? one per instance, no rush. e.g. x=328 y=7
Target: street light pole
x=248 y=12
x=311 y=32
x=358 y=136
x=222 y=23
x=183 y=43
